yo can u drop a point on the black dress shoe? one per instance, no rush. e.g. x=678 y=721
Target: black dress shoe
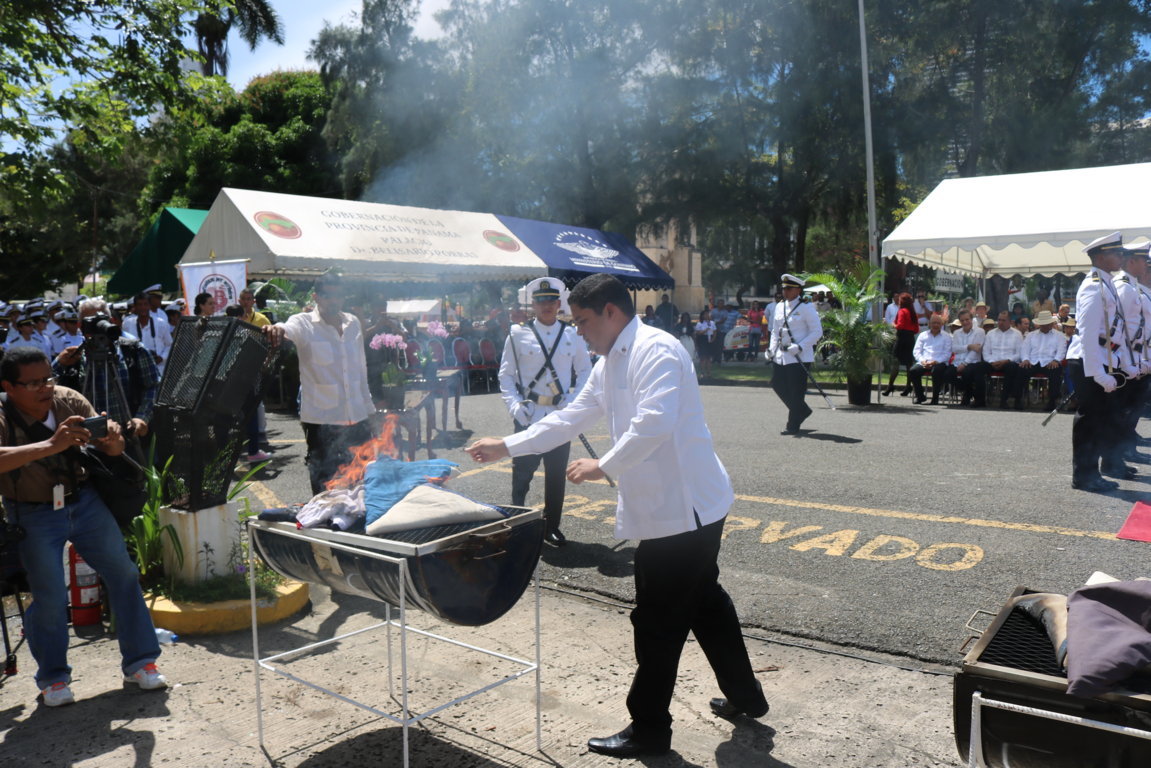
x=920 y=400
x=725 y=708
x=790 y=431
x=1094 y=485
x=627 y=744
x=1120 y=472
x=556 y=538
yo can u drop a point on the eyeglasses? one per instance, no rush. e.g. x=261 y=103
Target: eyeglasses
x=36 y=384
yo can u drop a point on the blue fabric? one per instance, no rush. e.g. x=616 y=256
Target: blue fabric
x=387 y=480
x=573 y=253
x=88 y=524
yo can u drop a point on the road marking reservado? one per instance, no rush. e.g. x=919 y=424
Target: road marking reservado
x=952 y=519
x=505 y=466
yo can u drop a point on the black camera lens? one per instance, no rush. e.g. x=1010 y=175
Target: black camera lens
x=100 y=325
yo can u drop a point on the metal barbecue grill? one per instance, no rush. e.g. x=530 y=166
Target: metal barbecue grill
x=468 y=574
x=1011 y=708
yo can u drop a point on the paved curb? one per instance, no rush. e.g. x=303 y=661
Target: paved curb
x=189 y=619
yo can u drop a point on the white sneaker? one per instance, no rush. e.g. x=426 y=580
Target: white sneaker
x=147 y=677
x=58 y=695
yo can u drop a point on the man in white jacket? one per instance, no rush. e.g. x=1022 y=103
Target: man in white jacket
x=674 y=495
x=545 y=363
x=794 y=334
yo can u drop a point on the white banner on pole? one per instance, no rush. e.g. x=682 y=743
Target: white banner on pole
x=223 y=279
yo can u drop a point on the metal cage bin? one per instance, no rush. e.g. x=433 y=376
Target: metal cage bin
x=211 y=386
x=468 y=574
x=1011 y=708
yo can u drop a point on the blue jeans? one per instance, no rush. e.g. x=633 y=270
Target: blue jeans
x=87 y=523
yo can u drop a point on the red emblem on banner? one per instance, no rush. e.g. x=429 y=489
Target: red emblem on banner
x=280 y=226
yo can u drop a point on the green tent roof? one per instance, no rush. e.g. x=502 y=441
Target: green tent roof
x=154 y=258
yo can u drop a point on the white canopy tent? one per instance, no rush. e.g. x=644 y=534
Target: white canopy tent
x=297 y=235
x=1025 y=223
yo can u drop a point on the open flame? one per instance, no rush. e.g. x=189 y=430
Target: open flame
x=352 y=474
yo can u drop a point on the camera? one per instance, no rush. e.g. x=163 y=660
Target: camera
x=10 y=534
x=98 y=426
x=100 y=326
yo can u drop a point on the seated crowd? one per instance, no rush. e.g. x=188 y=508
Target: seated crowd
x=971 y=359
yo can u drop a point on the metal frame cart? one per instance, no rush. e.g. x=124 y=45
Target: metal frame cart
x=403 y=587
x=1011 y=706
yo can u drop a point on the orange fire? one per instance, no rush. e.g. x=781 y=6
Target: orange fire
x=352 y=473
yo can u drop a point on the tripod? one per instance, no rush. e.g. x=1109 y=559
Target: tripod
x=104 y=389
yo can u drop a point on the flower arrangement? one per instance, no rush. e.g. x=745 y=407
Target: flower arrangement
x=393 y=346
x=437 y=329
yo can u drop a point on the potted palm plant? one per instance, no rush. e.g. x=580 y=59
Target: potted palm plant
x=855 y=340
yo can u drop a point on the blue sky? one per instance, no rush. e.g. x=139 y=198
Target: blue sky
x=302 y=20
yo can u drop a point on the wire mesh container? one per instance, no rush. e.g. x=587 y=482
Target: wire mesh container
x=212 y=383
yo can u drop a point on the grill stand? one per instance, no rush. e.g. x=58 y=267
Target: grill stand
x=401 y=623
x=978 y=702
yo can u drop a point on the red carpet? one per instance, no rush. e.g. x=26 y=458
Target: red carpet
x=1138 y=525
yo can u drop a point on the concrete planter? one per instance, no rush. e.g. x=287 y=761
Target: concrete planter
x=227 y=616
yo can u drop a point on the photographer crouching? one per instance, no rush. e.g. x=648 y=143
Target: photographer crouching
x=48 y=500
x=111 y=369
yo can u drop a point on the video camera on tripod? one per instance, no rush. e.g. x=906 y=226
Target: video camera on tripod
x=99 y=333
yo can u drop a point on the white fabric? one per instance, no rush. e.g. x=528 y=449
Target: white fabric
x=571 y=358
x=1041 y=348
x=802 y=329
x=1025 y=223
x=1003 y=345
x=428 y=505
x=961 y=340
x=662 y=458
x=342 y=507
x=1095 y=303
x=932 y=348
x=333 y=369
x=156 y=337
x=706 y=327
x=890 y=312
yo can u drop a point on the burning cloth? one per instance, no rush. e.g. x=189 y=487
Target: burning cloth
x=387 y=480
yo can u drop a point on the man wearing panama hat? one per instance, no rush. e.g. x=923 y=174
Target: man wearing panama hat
x=1043 y=352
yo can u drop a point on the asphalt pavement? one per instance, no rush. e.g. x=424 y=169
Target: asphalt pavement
x=855 y=554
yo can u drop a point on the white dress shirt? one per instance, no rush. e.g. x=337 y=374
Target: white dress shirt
x=662 y=457
x=961 y=339
x=1041 y=348
x=156 y=337
x=890 y=312
x=1130 y=302
x=61 y=340
x=333 y=369
x=1094 y=342
x=801 y=327
x=1003 y=345
x=521 y=363
x=932 y=348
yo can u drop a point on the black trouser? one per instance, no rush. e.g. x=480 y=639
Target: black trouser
x=1054 y=381
x=790 y=383
x=940 y=375
x=1011 y=382
x=974 y=382
x=1128 y=407
x=1092 y=421
x=677 y=591
x=555 y=480
x=329 y=448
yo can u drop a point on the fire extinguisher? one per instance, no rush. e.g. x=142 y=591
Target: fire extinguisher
x=84 y=586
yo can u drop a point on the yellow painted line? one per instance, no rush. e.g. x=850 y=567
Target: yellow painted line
x=265 y=494
x=973 y=521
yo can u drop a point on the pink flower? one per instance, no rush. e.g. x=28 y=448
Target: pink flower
x=436 y=328
x=387 y=341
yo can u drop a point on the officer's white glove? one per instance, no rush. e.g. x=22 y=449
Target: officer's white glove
x=1106 y=381
x=793 y=349
x=519 y=412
